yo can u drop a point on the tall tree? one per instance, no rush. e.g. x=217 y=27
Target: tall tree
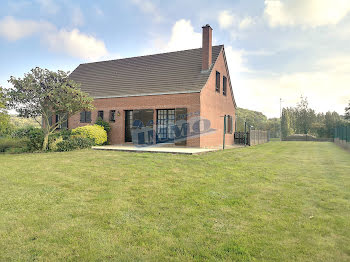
x=43 y=93
x=286 y=123
x=347 y=112
x=305 y=116
x=332 y=120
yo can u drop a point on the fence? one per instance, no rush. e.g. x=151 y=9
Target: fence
x=257 y=137
x=306 y=137
x=252 y=138
x=342 y=136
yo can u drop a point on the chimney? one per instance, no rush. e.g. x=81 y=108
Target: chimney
x=206 y=47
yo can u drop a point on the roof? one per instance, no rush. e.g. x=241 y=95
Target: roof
x=166 y=73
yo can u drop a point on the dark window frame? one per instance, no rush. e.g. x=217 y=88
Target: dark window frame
x=100 y=114
x=217 y=82
x=85 y=117
x=229 y=124
x=224 y=85
x=111 y=115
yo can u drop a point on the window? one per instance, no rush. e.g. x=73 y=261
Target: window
x=224 y=86
x=58 y=119
x=64 y=124
x=229 y=124
x=112 y=115
x=217 y=86
x=100 y=114
x=85 y=117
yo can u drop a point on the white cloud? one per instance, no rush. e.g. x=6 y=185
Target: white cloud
x=326 y=91
x=76 y=44
x=72 y=42
x=147 y=7
x=246 y=23
x=236 y=61
x=226 y=19
x=306 y=13
x=183 y=37
x=13 y=29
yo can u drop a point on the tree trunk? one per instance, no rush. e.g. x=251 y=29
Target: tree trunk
x=46 y=141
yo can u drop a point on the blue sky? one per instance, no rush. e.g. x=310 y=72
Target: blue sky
x=275 y=48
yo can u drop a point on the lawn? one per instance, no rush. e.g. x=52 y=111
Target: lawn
x=282 y=201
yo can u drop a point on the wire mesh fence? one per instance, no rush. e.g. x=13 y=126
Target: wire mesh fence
x=342 y=136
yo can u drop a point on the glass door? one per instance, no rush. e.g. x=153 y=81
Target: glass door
x=165 y=125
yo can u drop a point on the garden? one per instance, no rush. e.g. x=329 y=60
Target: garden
x=38 y=98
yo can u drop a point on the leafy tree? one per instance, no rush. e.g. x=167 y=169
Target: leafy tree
x=347 y=112
x=42 y=93
x=304 y=117
x=5 y=124
x=253 y=118
x=273 y=126
x=332 y=120
x=286 y=122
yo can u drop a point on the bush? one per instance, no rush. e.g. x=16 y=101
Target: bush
x=53 y=141
x=104 y=124
x=58 y=136
x=13 y=145
x=34 y=135
x=94 y=132
x=74 y=142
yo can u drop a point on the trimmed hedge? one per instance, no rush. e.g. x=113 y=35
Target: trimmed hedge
x=94 y=132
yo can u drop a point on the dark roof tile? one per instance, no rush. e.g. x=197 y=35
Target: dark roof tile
x=167 y=73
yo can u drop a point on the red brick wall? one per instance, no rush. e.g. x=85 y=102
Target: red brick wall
x=210 y=104
x=214 y=105
x=117 y=134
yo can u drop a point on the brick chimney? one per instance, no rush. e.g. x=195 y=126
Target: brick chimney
x=206 y=47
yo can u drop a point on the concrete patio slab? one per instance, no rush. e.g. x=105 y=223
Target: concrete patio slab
x=155 y=149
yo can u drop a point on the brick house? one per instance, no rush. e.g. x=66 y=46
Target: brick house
x=182 y=98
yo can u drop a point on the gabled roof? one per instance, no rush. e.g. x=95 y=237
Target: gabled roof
x=167 y=73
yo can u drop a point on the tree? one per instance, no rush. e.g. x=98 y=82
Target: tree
x=332 y=120
x=43 y=93
x=5 y=124
x=347 y=112
x=304 y=117
x=286 y=123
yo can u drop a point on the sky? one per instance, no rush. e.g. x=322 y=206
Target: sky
x=275 y=48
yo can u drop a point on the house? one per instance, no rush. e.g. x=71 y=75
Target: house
x=183 y=98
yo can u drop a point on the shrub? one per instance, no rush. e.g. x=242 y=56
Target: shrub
x=58 y=136
x=13 y=145
x=53 y=142
x=74 y=142
x=34 y=135
x=104 y=124
x=94 y=132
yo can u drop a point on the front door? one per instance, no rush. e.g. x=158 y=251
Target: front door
x=165 y=125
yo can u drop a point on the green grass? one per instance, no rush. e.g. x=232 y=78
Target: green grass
x=282 y=201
